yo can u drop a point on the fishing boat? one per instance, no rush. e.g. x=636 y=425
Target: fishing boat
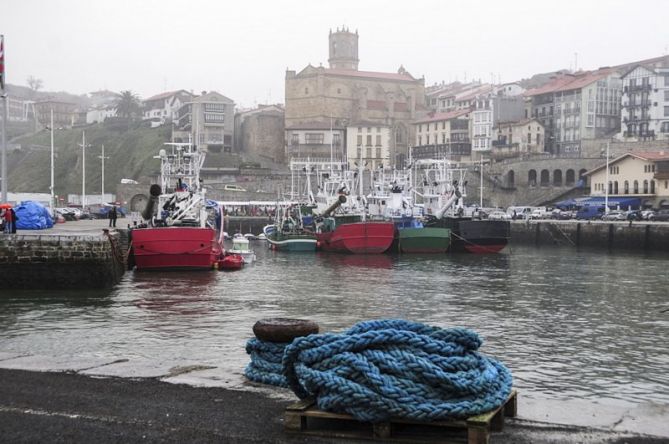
x=240 y=246
x=181 y=229
x=349 y=230
x=231 y=262
x=288 y=232
x=391 y=199
x=444 y=190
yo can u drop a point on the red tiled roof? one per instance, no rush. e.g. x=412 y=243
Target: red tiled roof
x=653 y=155
x=472 y=94
x=437 y=117
x=406 y=77
x=568 y=82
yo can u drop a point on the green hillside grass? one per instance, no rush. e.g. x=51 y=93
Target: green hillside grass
x=130 y=156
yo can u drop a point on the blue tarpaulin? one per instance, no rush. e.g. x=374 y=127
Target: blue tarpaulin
x=614 y=202
x=32 y=215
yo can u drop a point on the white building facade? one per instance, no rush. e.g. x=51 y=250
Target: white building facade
x=370 y=142
x=645 y=104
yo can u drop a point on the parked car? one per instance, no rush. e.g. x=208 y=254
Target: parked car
x=499 y=215
x=540 y=213
x=661 y=215
x=633 y=215
x=614 y=215
x=648 y=215
x=562 y=214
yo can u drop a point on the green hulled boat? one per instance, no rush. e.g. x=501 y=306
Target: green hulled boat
x=289 y=241
x=412 y=237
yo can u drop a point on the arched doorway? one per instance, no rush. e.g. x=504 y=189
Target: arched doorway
x=570 y=178
x=557 y=178
x=532 y=178
x=511 y=179
x=545 y=178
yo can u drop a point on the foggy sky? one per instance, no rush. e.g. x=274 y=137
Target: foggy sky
x=243 y=50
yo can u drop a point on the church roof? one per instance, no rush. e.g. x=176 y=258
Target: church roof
x=404 y=77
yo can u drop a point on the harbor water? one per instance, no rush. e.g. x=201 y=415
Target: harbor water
x=570 y=325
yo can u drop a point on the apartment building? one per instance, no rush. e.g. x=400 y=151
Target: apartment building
x=208 y=120
x=645 y=104
x=573 y=107
x=443 y=135
x=515 y=139
x=368 y=142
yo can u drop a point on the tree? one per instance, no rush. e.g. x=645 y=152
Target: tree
x=127 y=105
x=34 y=84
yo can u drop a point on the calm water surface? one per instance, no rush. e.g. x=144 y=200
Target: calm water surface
x=584 y=325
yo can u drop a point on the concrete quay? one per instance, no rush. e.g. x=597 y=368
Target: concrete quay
x=192 y=404
x=71 y=255
x=597 y=235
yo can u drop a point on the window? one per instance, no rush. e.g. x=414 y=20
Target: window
x=214 y=118
x=315 y=138
x=427 y=139
x=359 y=140
x=214 y=107
x=338 y=90
x=652 y=187
x=443 y=124
x=665 y=127
x=295 y=139
x=306 y=90
x=529 y=137
x=420 y=140
x=645 y=187
x=636 y=187
x=666 y=95
x=378 y=140
x=378 y=153
x=666 y=111
x=369 y=153
x=369 y=140
x=626 y=187
x=420 y=128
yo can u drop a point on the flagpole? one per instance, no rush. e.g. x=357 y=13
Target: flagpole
x=5 y=113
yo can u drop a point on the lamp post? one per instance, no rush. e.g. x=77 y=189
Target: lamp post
x=102 y=195
x=51 y=187
x=83 y=170
x=606 y=188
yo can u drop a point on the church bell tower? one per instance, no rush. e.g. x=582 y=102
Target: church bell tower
x=343 y=49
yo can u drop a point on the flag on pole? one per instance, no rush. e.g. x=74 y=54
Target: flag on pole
x=2 y=63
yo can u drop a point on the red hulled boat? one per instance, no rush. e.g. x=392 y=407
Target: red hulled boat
x=370 y=237
x=181 y=230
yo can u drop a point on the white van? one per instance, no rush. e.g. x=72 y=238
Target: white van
x=523 y=212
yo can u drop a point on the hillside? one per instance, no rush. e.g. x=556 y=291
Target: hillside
x=130 y=156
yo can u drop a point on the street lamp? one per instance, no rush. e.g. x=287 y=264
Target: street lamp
x=83 y=169
x=102 y=195
x=606 y=194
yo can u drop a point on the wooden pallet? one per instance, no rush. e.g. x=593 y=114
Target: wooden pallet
x=305 y=418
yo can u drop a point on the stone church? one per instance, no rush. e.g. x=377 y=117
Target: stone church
x=330 y=108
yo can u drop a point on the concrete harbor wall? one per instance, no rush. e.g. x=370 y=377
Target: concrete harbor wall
x=43 y=261
x=613 y=236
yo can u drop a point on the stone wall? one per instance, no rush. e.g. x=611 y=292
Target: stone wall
x=638 y=236
x=58 y=262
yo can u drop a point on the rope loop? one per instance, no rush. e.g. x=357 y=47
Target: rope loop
x=382 y=369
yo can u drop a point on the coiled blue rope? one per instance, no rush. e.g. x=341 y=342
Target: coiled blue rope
x=386 y=369
x=265 y=366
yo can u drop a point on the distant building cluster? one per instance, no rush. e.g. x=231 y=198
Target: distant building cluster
x=384 y=118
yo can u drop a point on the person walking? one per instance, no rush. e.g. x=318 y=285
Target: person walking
x=112 y=216
x=9 y=220
x=14 y=219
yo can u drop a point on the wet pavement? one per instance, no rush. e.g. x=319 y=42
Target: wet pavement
x=59 y=400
